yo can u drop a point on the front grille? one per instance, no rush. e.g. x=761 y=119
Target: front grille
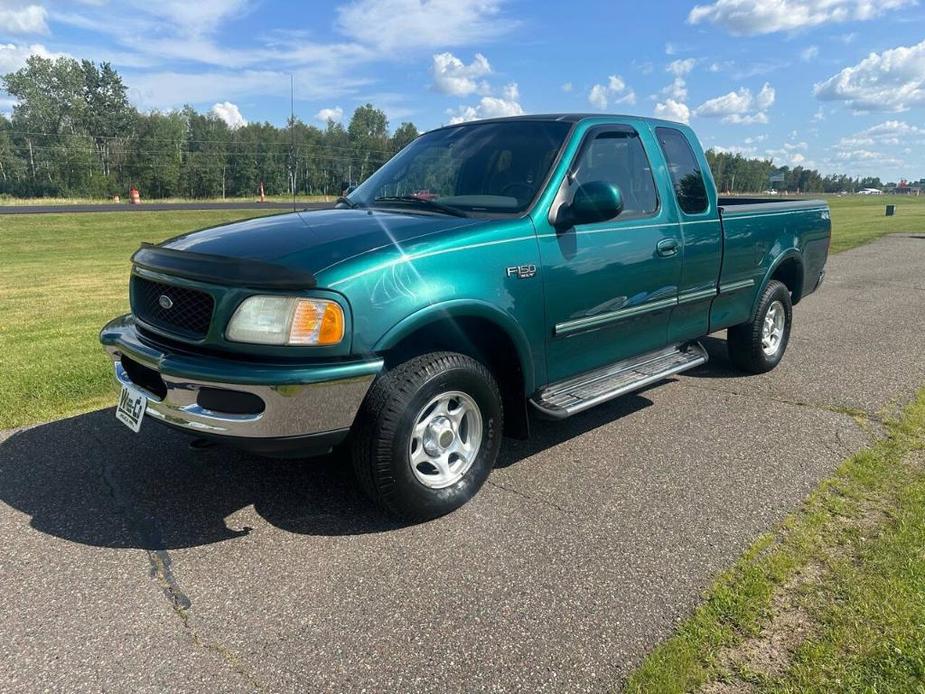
x=190 y=311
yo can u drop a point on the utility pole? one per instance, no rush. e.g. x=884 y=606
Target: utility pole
x=292 y=139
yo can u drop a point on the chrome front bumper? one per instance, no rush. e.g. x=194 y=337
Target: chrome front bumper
x=299 y=401
x=290 y=410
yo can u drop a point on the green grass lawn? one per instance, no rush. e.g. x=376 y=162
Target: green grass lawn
x=833 y=601
x=63 y=276
x=19 y=202
x=857 y=219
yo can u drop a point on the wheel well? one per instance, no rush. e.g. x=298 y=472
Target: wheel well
x=480 y=339
x=790 y=273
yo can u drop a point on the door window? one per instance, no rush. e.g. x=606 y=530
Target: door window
x=686 y=176
x=618 y=157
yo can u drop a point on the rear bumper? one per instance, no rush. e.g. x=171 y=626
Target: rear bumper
x=300 y=403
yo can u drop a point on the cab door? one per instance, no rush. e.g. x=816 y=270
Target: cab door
x=610 y=287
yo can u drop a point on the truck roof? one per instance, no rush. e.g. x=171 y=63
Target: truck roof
x=566 y=118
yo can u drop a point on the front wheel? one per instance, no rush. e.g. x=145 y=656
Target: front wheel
x=428 y=435
x=759 y=345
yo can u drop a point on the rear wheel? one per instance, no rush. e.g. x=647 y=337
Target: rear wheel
x=428 y=435
x=759 y=345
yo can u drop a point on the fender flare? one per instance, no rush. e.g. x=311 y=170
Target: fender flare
x=464 y=308
x=789 y=254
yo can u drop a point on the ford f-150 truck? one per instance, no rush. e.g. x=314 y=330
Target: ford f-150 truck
x=540 y=264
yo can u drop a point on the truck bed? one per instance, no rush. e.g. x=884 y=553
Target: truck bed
x=736 y=204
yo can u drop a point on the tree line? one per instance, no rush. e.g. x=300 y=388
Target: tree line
x=73 y=133
x=737 y=174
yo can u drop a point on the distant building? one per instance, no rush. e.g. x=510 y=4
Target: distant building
x=906 y=188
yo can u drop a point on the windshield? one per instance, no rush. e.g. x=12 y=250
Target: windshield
x=481 y=167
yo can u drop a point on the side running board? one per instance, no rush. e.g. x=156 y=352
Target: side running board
x=573 y=395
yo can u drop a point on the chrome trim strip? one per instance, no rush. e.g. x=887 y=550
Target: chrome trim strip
x=613 y=316
x=689 y=297
x=290 y=410
x=735 y=286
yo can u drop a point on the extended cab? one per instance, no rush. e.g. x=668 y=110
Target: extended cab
x=490 y=269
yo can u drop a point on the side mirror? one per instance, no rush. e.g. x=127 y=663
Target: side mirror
x=596 y=201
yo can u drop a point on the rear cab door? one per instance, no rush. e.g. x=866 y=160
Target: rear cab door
x=610 y=287
x=694 y=197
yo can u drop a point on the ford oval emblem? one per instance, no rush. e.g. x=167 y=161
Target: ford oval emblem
x=165 y=301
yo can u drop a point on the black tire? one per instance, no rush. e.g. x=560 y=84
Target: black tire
x=380 y=442
x=744 y=341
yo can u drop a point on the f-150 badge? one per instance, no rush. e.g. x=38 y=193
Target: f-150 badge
x=523 y=272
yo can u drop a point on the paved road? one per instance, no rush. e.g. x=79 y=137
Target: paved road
x=133 y=564
x=160 y=207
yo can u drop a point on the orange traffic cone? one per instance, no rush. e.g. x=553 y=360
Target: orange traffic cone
x=263 y=198
x=134 y=196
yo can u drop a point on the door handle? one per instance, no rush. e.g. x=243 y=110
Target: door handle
x=666 y=247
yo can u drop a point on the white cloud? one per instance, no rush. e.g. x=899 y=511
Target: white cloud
x=891 y=133
x=601 y=94
x=673 y=110
x=453 y=76
x=14 y=56
x=890 y=81
x=326 y=114
x=759 y=118
x=859 y=155
x=511 y=91
x=735 y=149
x=597 y=97
x=567 y=87
x=194 y=18
x=790 y=155
x=19 y=19
x=733 y=102
x=749 y=17
x=677 y=90
x=508 y=104
x=169 y=89
x=740 y=107
x=390 y=25
x=765 y=98
x=809 y=54
x=681 y=67
x=230 y=113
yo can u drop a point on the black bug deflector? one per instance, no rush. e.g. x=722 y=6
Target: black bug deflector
x=223 y=270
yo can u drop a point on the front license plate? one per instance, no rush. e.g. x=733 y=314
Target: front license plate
x=131 y=408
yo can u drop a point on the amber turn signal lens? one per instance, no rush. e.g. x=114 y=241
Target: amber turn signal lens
x=317 y=322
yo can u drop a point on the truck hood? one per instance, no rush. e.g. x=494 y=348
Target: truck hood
x=312 y=241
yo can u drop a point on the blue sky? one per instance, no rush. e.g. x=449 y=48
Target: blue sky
x=838 y=85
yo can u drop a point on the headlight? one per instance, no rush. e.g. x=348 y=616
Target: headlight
x=287 y=320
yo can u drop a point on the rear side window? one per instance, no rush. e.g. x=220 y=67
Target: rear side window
x=618 y=157
x=686 y=176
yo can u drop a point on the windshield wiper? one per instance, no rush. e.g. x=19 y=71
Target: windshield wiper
x=341 y=200
x=415 y=200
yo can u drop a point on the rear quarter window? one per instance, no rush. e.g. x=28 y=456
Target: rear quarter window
x=686 y=176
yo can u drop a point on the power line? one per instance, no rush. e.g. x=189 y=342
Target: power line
x=173 y=141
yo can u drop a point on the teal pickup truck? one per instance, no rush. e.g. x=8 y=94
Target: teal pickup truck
x=540 y=264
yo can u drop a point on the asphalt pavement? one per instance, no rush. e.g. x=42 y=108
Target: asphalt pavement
x=161 y=207
x=132 y=563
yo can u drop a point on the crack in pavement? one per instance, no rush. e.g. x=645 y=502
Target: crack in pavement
x=529 y=497
x=161 y=571
x=837 y=409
